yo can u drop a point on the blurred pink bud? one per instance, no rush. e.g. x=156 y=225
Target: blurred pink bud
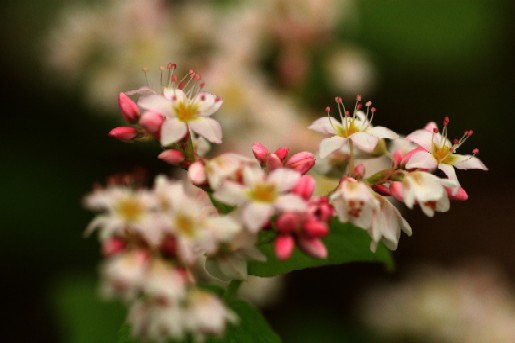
x=171 y=156
x=260 y=152
x=302 y=162
x=273 y=162
x=287 y=223
x=396 y=190
x=461 y=195
x=113 y=246
x=151 y=121
x=313 y=247
x=382 y=189
x=282 y=153
x=284 y=245
x=359 y=171
x=305 y=187
x=197 y=173
x=124 y=133
x=129 y=109
x=315 y=229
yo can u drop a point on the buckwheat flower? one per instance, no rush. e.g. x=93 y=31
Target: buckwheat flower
x=356 y=128
x=122 y=208
x=185 y=110
x=205 y=314
x=425 y=189
x=354 y=202
x=439 y=152
x=164 y=281
x=227 y=167
x=262 y=195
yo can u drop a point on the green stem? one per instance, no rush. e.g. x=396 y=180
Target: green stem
x=232 y=289
x=189 y=150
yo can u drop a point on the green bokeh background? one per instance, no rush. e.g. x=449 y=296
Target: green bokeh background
x=434 y=58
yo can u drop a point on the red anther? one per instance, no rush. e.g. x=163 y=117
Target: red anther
x=328 y=109
x=451 y=150
x=347 y=113
x=202 y=97
x=174 y=78
x=373 y=109
x=469 y=132
x=359 y=106
x=196 y=77
x=145 y=70
x=368 y=103
x=435 y=130
x=171 y=66
x=191 y=72
x=218 y=99
x=446 y=121
x=174 y=97
x=338 y=99
x=358 y=97
x=181 y=85
x=455 y=141
x=202 y=84
x=162 y=68
x=475 y=151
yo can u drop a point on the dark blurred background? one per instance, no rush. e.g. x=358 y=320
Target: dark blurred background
x=432 y=58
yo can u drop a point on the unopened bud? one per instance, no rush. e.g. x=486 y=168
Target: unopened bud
x=301 y=162
x=260 y=152
x=197 y=173
x=359 y=171
x=283 y=246
x=171 y=156
x=128 y=108
x=282 y=153
x=305 y=187
x=151 y=121
x=124 y=133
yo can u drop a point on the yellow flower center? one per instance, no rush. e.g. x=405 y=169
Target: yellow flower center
x=443 y=154
x=130 y=209
x=264 y=192
x=346 y=130
x=185 y=225
x=186 y=112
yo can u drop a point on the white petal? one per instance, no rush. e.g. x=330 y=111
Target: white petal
x=172 y=131
x=329 y=145
x=468 y=162
x=231 y=193
x=448 y=170
x=208 y=128
x=422 y=160
x=284 y=179
x=290 y=203
x=175 y=95
x=364 y=141
x=382 y=132
x=423 y=138
x=251 y=176
x=256 y=214
x=325 y=125
x=208 y=103
x=157 y=103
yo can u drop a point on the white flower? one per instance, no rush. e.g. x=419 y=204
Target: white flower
x=164 y=281
x=260 y=195
x=440 y=152
x=356 y=128
x=227 y=167
x=183 y=113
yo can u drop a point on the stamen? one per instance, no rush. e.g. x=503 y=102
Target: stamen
x=145 y=71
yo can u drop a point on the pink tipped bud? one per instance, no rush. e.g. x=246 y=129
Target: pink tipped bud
x=197 y=173
x=459 y=195
x=313 y=247
x=396 y=190
x=171 y=156
x=273 y=162
x=282 y=153
x=283 y=246
x=113 y=246
x=328 y=109
x=124 y=133
x=287 y=223
x=151 y=121
x=128 y=108
x=475 y=151
x=358 y=97
x=260 y=152
x=305 y=187
x=301 y=162
x=315 y=229
x=359 y=171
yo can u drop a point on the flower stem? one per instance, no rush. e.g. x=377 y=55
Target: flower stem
x=232 y=289
x=350 y=168
x=189 y=150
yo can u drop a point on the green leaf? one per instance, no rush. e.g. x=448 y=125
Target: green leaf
x=345 y=244
x=252 y=327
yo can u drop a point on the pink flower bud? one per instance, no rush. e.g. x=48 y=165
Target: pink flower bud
x=151 y=121
x=171 y=156
x=197 y=173
x=305 y=187
x=129 y=109
x=113 y=246
x=396 y=190
x=302 y=162
x=273 y=162
x=382 y=189
x=282 y=153
x=359 y=171
x=124 y=133
x=287 y=223
x=460 y=195
x=260 y=152
x=315 y=229
x=313 y=247
x=283 y=246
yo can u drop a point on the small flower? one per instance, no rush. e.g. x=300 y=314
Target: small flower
x=261 y=195
x=356 y=128
x=439 y=152
x=185 y=110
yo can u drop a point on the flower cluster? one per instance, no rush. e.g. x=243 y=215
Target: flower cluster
x=154 y=240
